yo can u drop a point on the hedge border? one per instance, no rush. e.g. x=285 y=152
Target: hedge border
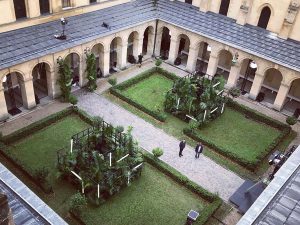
x=117 y=91
x=256 y=116
x=5 y=141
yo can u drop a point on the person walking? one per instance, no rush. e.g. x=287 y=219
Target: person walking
x=181 y=147
x=198 y=150
x=140 y=56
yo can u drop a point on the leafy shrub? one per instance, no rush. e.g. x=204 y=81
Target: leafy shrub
x=157 y=152
x=73 y=99
x=77 y=203
x=234 y=92
x=91 y=71
x=112 y=81
x=291 y=120
x=65 y=78
x=41 y=175
x=119 y=129
x=97 y=120
x=158 y=62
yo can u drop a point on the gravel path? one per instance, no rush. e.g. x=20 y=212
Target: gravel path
x=203 y=171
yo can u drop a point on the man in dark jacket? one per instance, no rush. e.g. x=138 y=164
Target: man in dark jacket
x=140 y=60
x=198 y=150
x=181 y=147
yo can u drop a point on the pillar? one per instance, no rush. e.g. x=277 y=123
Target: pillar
x=158 y=43
x=3 y=108
x=139 y=48
x=33 y=8
x=123 y=55
x=192 y=59
x=106 y=62
x=256 y=86
x=27 y=91
x=281 y=96
x=233 y=75
x=82 y=73
x=205 y=5
x=56 y=5
x=150 y=44
x=173 y=52
x=212 y=65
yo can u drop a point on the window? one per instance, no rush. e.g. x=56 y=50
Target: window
x=224 y=7
x=189 y=1
x=264 y=17
x=44 y=6
x=20 y=9
x=66 y=3
x=93 y=1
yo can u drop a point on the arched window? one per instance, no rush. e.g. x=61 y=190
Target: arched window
x=264 y=17
x=224 y=7
x=20 y=9
x=189 y=1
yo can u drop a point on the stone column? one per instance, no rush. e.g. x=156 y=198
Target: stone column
x=27 y=91
x=256 y=86
x=212 y=65
x=106 y=62
x=233 y=75
x=82 y=73
x=33 y=8
x=3 y=108
x=150 y=44
x=173 y=52
x=192 y=59
x=123 y=54
x=281 y=96
x=158 y=43
x=139 y=48
x=53 y=87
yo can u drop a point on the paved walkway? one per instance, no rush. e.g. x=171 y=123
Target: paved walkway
x=32 y=201
x=203 y=171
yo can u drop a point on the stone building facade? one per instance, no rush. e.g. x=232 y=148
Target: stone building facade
x=254 y=44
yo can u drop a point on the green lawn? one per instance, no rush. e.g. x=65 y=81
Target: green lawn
x=39 y=149
x=150 y=92
x=152 y=199
x=241 y=136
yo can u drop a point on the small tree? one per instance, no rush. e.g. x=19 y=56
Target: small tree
x=234 y=92
x=112 y=81
x=158 y=62
x=77 y=203
x=91 y=71
x=73 y=99
x=65 y=79
x=157 y=152
x=41 y=175
x=291 y=120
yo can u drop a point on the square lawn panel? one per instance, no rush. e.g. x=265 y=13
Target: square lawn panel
x=150 y=92
x=152 y=199
x=244 y=137
x=39 y=149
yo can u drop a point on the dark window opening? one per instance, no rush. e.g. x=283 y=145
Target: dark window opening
x=264 y=17
x=224 y=7
x=44 y=6
x=93 y=1
x=66 y=3
x=189 y=1
x=20 y=9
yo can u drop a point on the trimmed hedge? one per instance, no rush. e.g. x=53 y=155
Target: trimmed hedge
x=256 y=116
x=214 y=200
x=5 y=141
x=117 y=91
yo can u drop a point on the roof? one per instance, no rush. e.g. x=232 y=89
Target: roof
x=33 y=42
x=280 y=202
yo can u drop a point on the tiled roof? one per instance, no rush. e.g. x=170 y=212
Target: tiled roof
x=32 y=42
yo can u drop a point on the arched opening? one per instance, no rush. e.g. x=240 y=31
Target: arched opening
x=12 y=84
x=115 y=55
x=189 y=1
x=20 y=9
x=98 y=51
x=44 y=6
x=270 y=86
x=73 y=61
x=224 y=7
x=165 y=43
x=203 y=58
x=41 y=81
x=292 y=101
x=247 y=74
x=132 y=47
x=183 y=50
x=148 y=41
x=224 y=64
x=264 y=17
